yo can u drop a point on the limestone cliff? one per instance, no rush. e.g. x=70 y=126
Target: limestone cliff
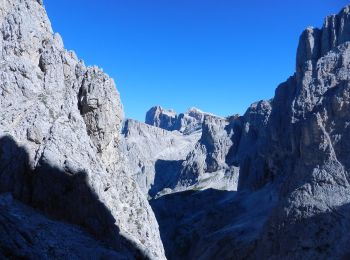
x=186 y=123
x=59 y=136
x=164 y=161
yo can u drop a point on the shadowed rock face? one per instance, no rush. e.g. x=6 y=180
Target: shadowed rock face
x=307 y=158
x=304 y=154
x=212 y=224
x=27 y=234
x=165 y=119
x=66 y=119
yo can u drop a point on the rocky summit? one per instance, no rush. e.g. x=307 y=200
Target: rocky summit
x=186 y=123
x=78 y=181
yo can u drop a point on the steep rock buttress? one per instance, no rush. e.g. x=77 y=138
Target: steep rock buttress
x=59 y=136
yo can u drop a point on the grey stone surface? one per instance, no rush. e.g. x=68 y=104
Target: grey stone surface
x=186 y=123
x=162 y=118
x=204 y=216
x=59 y=136
x=154 y=155
x=304 y=153
x=100 y=107
x=214 y=160
x=164 y=162
x=307 y=157
x=314 y=43
x=206 y=165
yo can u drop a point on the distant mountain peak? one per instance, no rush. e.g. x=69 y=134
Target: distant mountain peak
x=168 y=119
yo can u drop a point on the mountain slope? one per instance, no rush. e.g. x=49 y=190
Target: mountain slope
x=152 y=151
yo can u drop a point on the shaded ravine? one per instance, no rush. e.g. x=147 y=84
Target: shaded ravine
x=212 y=223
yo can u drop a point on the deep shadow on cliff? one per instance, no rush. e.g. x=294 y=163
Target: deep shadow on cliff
x=166 y=175
x=182 y=218
x=212 y=224
x=25 y=233
x=60 y=195
x=324 y=235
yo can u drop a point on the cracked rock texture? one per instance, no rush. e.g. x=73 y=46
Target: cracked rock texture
x=59 y=136
x=307 y=156
x=207 y=161
x=155 y=155
x=186 y=123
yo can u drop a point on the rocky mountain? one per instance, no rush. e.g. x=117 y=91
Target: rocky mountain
x=162 y=118
x=77 y=180
x=186 y=123
x=154 y=155
x=59 y=148
x=164 y=161
x=195 y=195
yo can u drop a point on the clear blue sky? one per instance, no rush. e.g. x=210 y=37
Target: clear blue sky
x=217 y=55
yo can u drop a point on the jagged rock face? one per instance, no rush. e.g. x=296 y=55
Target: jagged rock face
x=207 y=164
x=155 y=155
x=192 y=222
x=315 y=43
x=250 y=142
x=225 y=145
x=164 y=162
x=97 y=97
x=215 y=148
x=305 y=155
x=159 y=117
x=59 y=141
x=316 y=180
x=192 y=120
x=60 y=152
x=186 y=123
